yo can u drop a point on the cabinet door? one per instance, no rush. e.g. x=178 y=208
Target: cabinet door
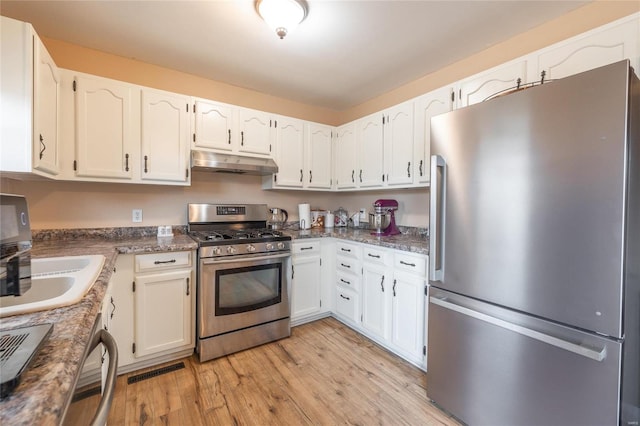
x=595 y=49
x=427 y=106
x=371 y=150
x=318 y=142
x=105 y=141
x=165 y=136
x=255 y=132
x=290 y=147
x=408 y=315
x=478 y=88
x=398 y=144
x=305 y=286
x=376 y=291
x=46 y=106
x=215 y=125
x=347 y=304
x=121 y=327
x=345 y=157
x=162 y=312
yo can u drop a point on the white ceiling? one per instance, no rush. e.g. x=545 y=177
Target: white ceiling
x=343 y=54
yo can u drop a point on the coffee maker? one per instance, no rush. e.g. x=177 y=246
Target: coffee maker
x=383 y=218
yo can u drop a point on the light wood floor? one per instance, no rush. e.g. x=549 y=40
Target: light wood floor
x=324 y=374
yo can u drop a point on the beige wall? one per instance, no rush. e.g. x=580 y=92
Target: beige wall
x=67 y=205
x=78 y=204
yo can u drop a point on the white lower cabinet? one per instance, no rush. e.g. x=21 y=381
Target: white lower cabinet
x=381 y=293
x=154 y=298
x=305 y=279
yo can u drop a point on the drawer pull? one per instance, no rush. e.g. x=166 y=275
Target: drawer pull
x=413 y=265
x=344 y=249
x=345 y=297
x=346 y=266
x=376 y=256
x=306 y=248
x=160 y=262
x=345 y=281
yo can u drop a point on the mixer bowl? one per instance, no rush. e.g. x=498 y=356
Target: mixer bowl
x=379 y=221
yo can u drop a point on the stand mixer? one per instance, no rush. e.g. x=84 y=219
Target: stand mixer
x=385 y=209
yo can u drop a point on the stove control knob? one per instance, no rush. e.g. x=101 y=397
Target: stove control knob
x=217 y=251
x=251 y=248
x=269 y=246
x=281 y=246
x=231 y=250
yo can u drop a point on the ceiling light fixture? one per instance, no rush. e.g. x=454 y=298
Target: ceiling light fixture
x=282 y=15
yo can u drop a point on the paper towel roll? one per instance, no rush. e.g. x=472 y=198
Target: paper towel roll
x=304 y=213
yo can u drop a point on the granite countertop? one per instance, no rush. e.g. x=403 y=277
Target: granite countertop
x=45 y=388
x=416 y=241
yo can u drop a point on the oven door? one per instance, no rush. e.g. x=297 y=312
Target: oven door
x=239 y=292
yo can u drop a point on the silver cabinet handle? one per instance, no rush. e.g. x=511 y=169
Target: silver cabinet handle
x=160 y=262
x=437 y=198
x=596 y=355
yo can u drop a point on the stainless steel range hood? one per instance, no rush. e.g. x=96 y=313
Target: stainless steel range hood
x=229 y=163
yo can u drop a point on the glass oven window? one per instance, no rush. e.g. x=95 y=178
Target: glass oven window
x=248 y=288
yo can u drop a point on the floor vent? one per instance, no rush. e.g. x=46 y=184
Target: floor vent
x=86 y=394
x=153 y=373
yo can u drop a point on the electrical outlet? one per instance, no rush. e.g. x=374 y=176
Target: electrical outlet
x=136 y=215
x=363 y=215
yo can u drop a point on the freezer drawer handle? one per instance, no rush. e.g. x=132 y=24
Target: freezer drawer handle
x=596 y=355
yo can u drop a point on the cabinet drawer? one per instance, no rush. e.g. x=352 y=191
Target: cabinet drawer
x=352 y=251
x=306 y=247
x=347 y=304
x=410 y=263
x=348 y=265
x=160 y=261
x=348 y=281
x=376 y=255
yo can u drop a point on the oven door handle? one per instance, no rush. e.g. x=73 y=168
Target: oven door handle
x=236 y=259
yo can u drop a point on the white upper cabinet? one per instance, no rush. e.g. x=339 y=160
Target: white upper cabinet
x=30 y=86
x=318 y=142
x=290 y=153
x=216 y=126
x=611 y=43
x=345 y=156
x=255 y=132
x=165 y=136
x=370 y=137
x=398 y=144
x=46 y=89
x=427 y=106
x=482 y=86
x=105 y=136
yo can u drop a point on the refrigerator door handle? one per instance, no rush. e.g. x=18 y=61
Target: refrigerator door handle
x=594 y=354
x=436 y=219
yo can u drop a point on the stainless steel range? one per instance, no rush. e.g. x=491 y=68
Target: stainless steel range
x=243 y=284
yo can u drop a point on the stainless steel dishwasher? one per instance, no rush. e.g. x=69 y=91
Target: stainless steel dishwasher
x=108 y=385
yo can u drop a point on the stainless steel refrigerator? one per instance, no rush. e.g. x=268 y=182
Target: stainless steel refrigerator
x=534 y=305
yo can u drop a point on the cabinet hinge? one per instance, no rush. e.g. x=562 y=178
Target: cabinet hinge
x=424 y=350
x=133 y=347
x=321 y=303
x=275 y=178
x=75 y=165
x=194 y=108
x=269 y=147
x=426 y=291
x=186 y=173
x=360 y=317
x=194 y=137
x=320 y=262
x=270 y=123
x=276 y=121
x=460 y=94
x=187 y=107
x=74 y=85
x=133 y=286
x=293 y=272
x=453 y=96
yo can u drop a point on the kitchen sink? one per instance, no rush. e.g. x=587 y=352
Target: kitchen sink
x=55 y=282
